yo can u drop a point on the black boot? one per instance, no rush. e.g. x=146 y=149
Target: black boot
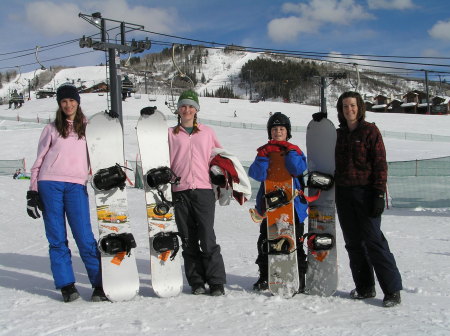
x=391 y=300
x=70 y=293
x=261 y=284
x=216 y=290
x=98 y=295
x=361 y=294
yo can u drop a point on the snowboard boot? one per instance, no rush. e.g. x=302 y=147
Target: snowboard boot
x=367 y=293
x=98 y=295
x=261 y=284
x=391 y=300
x=70 y=293
x=198 y=289
x=216 y=290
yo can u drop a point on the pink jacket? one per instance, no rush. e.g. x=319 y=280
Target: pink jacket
x=59 y=159
x=190 y=155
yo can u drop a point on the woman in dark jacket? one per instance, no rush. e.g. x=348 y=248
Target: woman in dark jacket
x=361 y=175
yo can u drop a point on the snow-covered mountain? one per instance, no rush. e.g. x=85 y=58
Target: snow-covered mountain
x=218 y=68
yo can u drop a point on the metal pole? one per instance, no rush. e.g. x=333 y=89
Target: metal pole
x=427 y=89
x=323 y=99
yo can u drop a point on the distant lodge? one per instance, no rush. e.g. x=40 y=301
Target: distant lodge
x=414 y=102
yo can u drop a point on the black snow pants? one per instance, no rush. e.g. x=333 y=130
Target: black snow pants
x=368 y=249
x=194 y=215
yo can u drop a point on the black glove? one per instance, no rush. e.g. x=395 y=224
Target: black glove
x=33 y=204
x=378 y=204
x=318 y=116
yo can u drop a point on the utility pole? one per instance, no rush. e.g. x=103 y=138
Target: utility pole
x=113 y=51
x=323 y=98
x=250 y=83
x=427 y=91
x=323 y=86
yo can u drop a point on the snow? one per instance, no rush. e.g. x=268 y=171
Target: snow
x=419 y=239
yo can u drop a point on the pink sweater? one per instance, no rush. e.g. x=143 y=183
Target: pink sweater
x=190 y=156
x=59 y=159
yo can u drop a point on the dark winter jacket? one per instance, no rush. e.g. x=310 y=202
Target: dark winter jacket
x=295 y=164
x=360 y=157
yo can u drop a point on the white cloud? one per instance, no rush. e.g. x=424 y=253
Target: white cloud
x=390 y=4
x=441 y=30
x=287 y=29
x=154 y=19
x=309 y=17
x=53 y=18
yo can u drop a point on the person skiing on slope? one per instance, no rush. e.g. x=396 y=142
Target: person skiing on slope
x=279 y=132
x=191 y=145
x=58 y=189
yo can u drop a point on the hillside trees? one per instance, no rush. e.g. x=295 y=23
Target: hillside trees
x=286 y=79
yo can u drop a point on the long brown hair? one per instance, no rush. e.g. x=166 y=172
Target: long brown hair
x=79 y=123
x=359 y=102
x=176 y=130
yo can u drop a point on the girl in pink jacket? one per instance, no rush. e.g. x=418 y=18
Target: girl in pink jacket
x=58 y=189
x=191 y=145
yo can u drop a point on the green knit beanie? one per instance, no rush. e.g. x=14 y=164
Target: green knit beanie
x=189 y=97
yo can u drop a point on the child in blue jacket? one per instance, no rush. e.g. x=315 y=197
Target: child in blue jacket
x=279 y=132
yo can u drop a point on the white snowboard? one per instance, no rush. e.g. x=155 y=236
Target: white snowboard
x=105 y=145
x=167 y=278
x=322 y=274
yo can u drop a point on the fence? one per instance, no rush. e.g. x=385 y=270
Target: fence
x=9 y=167
x=420 y=183
x=417 y=183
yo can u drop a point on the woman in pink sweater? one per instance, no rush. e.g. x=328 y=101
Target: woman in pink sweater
x=191 y=145
x=58 y=189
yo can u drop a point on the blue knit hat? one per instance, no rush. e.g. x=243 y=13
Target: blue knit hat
x=67 y=91
x=189 y=97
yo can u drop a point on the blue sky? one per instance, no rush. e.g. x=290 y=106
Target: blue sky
x=376 y=27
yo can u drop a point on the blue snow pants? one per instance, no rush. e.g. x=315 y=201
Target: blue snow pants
x=368 y=249
x=61 y=200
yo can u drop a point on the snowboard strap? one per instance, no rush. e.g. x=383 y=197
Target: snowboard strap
x=282 y=245
x=156 y=179
x=114 y=243
x=164 y=242
x=319 y=241
x=110 y=178
x=321 y=181
x=149 y=110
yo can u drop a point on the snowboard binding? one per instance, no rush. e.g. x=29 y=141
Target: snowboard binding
x=115 y=243
x=166 y=241
x=320 y=180
x=149 y=110
x=319 y=241
x=280 y=245
x=157 y=178
x=109 y=178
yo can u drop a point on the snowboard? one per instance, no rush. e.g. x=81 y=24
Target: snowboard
x=165 y=262
x=281 y=242
x=322 y=273
x=120 y=276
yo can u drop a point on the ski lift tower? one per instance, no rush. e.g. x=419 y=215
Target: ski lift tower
x=114 y=50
